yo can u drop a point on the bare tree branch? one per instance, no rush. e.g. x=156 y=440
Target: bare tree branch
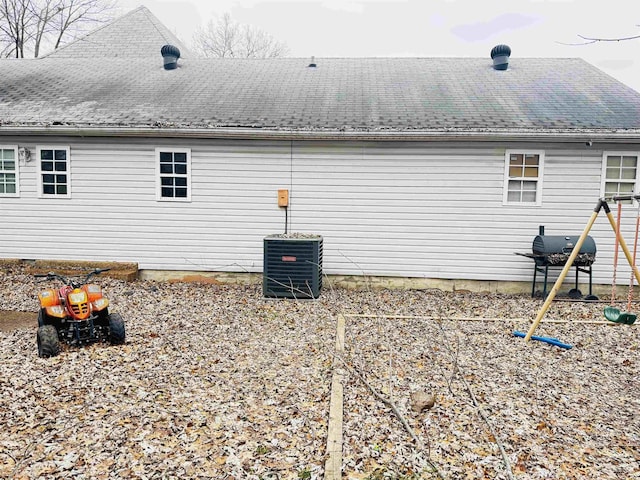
x=591 y=40
x=42 y=14
x=27 y=25
x=575 y=44
x=620 y=39
x=75 y=16
x=225 y=38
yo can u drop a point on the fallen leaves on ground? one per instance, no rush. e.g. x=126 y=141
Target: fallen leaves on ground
x=217 y=382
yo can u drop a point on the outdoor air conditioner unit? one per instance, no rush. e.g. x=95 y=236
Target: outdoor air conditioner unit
x=292 y=266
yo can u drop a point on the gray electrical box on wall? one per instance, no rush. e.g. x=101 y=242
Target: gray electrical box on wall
x=292 y=266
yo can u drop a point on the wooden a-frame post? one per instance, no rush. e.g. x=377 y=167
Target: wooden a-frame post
x=602 y=204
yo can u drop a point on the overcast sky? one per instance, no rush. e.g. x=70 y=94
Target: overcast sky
x=428 y=28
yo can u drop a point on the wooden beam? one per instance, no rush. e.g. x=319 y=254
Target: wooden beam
x=333 y=464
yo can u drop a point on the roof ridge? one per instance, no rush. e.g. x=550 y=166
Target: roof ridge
x=136 y=34
x=155 y=22
x=162 y=31
x=101 y=27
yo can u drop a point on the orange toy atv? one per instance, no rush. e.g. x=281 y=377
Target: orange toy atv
x=77 y=314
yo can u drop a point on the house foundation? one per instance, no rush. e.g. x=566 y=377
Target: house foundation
x=130 y=272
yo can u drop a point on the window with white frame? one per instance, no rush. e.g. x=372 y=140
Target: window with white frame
x=523 y=177
x=9 y=180
x=620 y=174
x=174 y=174
x=54 y=171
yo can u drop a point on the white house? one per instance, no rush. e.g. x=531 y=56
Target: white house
x=430 y=168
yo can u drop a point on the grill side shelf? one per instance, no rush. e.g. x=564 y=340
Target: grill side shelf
x=582 y=263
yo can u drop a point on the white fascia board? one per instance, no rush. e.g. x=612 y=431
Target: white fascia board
x=572 y=136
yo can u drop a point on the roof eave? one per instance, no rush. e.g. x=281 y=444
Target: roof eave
x=487 y=135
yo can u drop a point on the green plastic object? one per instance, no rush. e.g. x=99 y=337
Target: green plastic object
x=614 y=315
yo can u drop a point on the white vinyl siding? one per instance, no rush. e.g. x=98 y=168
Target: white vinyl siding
x=432 y=210
x=9 y=171
x=54 y=175
x=620 y=174
x=173 y=174
x=523 y=177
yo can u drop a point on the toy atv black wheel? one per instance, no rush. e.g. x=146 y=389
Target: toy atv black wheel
x=116 y=329
x=103 y=318
x=44 y=319
x=48 y=343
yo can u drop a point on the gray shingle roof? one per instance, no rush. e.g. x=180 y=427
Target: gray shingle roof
x=137 y=34
x=84 y=85
x=365 y=94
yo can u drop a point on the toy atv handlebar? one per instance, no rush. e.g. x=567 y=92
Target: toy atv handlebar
x=69 y=281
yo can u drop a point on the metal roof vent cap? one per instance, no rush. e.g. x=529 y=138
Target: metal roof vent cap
x=500 y=55
x=170 y=55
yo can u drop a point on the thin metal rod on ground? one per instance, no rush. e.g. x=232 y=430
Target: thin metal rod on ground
x=481 y=319
x=423 y=317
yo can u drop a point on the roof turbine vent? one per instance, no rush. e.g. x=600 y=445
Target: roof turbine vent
x=500 y=55
x=170 y=54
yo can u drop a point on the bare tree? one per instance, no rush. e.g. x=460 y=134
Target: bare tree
x=15 y=23
x=28 y=25
x=225 y=38
x=217 y=39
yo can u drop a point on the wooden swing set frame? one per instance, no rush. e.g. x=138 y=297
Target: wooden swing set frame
x=602 y=205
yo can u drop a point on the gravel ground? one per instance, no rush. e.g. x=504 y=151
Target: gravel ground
x=217 y=382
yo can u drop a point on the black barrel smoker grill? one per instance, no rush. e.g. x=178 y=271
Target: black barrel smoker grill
x=549 y=251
